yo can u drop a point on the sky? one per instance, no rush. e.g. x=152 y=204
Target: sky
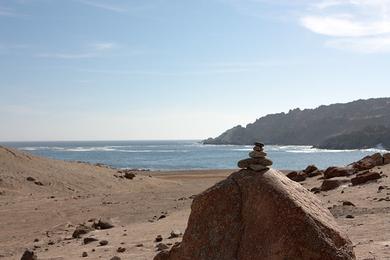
x=181 y=69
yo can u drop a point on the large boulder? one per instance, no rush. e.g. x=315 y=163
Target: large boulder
x=331 y=184
x=365 y=177
x=369 y=162
x=386 y=158
x=260 y=215
x=333 y=172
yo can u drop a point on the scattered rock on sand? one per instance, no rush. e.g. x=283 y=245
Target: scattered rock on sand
x=331 y=184
x=175 y=234
x=161 y=246
x=365 y=177
x=348 y=203
x=310 y=169
x=296 y=176
x=103 y=242
x=88 y=240
x=29 y=255
x=102 y=224
x=158 y=238
x=81 y=230
x=333 y=172
x=258 y=216
x=121 y=249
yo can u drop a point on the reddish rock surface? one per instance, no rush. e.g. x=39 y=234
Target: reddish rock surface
x=310 y=169
x=296 y=176
x=331 y=184
x=365 y=177
x=369 y=162
x=265 y=215
x=386 y=158
x=333 y=172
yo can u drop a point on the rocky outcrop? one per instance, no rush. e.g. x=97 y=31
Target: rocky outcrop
x=365 y=177
x=333 y=172
x=331 y=184
x=324 y=126
x=386 y=158
x=260 y=215
x=369 y=162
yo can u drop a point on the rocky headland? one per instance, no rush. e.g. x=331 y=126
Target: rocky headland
x=355 y=125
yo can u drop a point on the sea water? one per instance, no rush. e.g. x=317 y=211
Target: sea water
x=186 y=155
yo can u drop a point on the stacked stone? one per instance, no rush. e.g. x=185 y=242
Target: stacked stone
x=257 y=161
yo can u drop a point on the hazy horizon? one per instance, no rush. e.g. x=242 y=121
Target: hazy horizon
x=184 y=70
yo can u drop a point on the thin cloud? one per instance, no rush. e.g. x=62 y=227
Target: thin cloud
x=94 y=50
x=363 y=45
x=8 y=12
x=105 y=6
x=355 y=25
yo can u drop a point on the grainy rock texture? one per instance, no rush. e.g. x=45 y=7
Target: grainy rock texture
x=260 y=215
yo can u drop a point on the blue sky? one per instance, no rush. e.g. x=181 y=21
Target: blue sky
x=180 y=69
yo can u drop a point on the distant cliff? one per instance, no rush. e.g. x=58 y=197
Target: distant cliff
x=324 y=126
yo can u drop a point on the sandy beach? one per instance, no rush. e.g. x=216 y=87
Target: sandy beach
x=43 y=201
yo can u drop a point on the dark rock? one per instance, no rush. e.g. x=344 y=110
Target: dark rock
x=296 y=176
x=38 y=183
x=84 y=254
x=348 y=203
x=102 y=224
x=129 y=175
x=245 y=163
x=139 y=245
x=175 y=234
x=257 y=154
x=29 y=255
x=365 y=177
x=103 y=242
x=316 y=190
x=386 y=158
x=162 y=216
x=314 y=173
x=115 y=258
x=368 y=162
x=258 y=144
x=349 y=216
x=30 y=178
x=161 y=246
x=88 y=240
x=333 y=172
x=331 y=184
x=258 y=216
x=81 y=230
x=121 y=249
x=310 y=169
x=158 y=238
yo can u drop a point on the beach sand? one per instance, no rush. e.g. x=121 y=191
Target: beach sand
x=65 y=194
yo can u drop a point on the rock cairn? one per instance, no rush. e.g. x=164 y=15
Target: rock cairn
x=257 y=161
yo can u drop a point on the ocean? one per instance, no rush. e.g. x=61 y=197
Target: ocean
x=185 y=155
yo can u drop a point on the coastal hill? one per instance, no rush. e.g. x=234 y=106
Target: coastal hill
x=318 y=127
